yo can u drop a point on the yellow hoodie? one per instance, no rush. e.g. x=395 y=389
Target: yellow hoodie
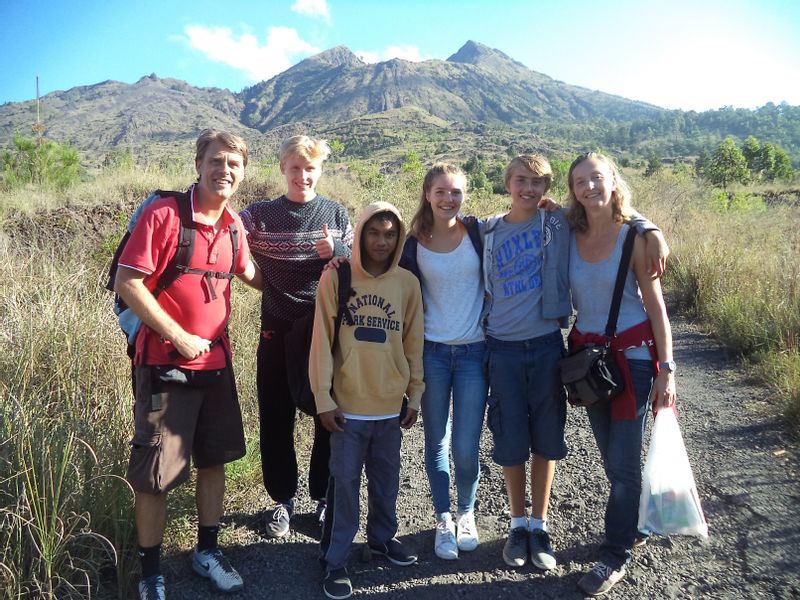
x=379 y=357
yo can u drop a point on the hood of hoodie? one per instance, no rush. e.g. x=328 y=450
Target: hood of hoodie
x=366 y=215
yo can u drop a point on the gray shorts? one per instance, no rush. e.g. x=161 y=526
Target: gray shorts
x=180 y=414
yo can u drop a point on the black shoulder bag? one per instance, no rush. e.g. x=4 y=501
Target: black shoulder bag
x=590 y=374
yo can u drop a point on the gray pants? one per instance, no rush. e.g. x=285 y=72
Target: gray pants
x=374 y=445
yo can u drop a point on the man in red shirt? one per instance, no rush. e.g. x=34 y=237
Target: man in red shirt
x=186 y=403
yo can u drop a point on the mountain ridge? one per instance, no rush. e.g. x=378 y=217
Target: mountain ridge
x=477 y=89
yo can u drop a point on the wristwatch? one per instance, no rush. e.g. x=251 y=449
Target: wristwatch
x=669 y=365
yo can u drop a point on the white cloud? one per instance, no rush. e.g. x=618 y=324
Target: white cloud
x=368 y=57
x=245 y=53
x=312 y=8
x=410 y=53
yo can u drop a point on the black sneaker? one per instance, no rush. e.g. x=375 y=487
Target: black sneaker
x=395 y=552
x=278 y=522
x=542 y=554
x=337 y=584
x=515 y=550
x=600 y=579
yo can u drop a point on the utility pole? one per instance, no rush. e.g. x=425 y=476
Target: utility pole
x=37 y=127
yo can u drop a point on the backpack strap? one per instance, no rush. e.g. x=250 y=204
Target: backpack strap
x=179 y=262
x=233 y=231
x=345 y=292
x=112 y=270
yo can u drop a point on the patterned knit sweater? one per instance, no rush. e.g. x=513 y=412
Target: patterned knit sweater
x=282 y=236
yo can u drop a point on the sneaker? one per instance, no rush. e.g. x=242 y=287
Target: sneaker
x=467 y=537
x=445 y=546
x=515 y=551
x=337 y=584
x=600 y=579
x=395 y=552
x=215 y=565
x=640 y=540
x=152 y=588
x=319 y=514
x=542 y=554
x=278 y=523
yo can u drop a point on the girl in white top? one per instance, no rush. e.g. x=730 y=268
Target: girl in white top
x=444 y=251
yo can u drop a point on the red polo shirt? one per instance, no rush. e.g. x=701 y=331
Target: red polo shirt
x=188 y=300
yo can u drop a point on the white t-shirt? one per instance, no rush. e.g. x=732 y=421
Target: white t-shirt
x=452 y=293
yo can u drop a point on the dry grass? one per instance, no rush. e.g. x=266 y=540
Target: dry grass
x=65 y=397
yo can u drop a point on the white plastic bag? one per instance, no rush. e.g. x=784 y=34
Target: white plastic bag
x=669 y=503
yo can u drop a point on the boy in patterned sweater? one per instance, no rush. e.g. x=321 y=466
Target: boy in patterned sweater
x=291 y=238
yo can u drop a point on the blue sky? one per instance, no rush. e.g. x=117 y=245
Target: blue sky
x=689 y=54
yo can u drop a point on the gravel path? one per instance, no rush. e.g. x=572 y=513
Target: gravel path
x=744 y=466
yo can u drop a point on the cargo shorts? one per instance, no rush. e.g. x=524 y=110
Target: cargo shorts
x=527 y=404
x=180 y=414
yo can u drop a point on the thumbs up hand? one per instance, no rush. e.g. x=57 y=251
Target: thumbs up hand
x=325 y=245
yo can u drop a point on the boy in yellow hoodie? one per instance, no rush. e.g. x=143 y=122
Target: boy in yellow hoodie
x=359 y=390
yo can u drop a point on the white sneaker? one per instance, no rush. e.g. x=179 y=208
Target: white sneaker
x=467 y=537
x=446 y=547
x=214 y=565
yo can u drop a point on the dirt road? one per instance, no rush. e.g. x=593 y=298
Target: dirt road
x=746 y=473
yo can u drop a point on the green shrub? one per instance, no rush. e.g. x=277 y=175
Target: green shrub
x=40 y=162
x=745 y=202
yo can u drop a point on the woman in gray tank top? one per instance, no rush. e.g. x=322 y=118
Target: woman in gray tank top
x=599 y=208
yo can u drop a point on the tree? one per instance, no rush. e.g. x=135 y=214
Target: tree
x=728 y=165
x=41 y=162
x=477 y=180
x=337 y=147
x=751 y=150
x=774 y=163
x=654 y=164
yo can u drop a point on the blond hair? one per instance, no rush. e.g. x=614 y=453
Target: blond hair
x=230 y=141
x=311 y=149
x=535 y=163
x=620 y=197
x=422 y=221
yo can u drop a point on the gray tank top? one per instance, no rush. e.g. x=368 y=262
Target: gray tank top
x=592 y=285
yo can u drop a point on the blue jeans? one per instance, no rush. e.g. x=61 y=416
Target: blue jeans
x=456 y=369
x=620 y=445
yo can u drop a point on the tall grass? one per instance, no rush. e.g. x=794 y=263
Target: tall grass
x=64 y=506
x=66 y=520
x=735 y=269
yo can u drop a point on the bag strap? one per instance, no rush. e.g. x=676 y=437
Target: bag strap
x=622 y=273
x=344 y=296
x=185 y=248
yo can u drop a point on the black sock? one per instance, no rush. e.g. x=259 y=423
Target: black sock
x=151 y=561
x=207 y=537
